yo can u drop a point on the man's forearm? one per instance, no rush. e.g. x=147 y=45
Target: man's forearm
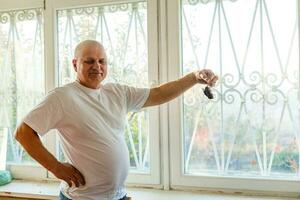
x=170 y=90
x=33 y=145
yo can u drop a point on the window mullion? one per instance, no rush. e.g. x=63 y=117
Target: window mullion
x=50 y=78
x=163 y=109
x=173 y=25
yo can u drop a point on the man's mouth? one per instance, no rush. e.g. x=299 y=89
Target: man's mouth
x=96 y=74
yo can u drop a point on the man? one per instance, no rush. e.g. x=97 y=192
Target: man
x=90 y=117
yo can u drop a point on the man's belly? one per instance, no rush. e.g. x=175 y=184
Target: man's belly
x=104 y=166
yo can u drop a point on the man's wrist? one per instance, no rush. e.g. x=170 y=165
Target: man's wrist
x=197 y=76
x=53 y=166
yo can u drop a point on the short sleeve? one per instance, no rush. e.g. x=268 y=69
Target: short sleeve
x=136 y=98
x=46 y=115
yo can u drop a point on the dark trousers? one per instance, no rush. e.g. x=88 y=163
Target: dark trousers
x=63 y=197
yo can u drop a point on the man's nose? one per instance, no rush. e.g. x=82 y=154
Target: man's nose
x=99 y=65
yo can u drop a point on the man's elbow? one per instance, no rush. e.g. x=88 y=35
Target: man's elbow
x=22 y=132
x=154 y=97
x=18 y=134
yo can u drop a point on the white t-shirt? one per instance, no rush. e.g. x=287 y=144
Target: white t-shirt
x=91 y=125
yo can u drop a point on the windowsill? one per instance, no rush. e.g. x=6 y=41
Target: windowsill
x=50 y=190
x=31 y=189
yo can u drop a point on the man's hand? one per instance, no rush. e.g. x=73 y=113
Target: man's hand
x=168 y=91
x=69 y=174
x=206 y=76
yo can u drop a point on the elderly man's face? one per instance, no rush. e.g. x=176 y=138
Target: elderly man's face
x=91 y=66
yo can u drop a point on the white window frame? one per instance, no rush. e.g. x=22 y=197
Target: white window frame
x=24 y=171
x=164 y=54
x=52 y=6
x=178 y=179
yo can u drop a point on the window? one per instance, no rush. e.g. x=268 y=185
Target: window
x=122 y=29
x=250 y=129
x=22 y=72
x=256 y=54
x=247 y=137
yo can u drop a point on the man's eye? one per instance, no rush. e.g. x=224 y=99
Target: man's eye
x=89 y=61
x=103 y=62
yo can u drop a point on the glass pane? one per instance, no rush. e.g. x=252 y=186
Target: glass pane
x=22 y=72
x=251 y=127
x=122 y=29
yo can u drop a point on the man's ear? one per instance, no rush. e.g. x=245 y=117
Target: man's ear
x=74 y=62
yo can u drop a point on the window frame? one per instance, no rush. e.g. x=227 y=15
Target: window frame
x=178 y=179
x=26 y=171
x=153 y=178
x=164 y=54
x=36 y=171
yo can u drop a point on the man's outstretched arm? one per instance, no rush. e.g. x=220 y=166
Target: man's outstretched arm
x=173 y=89
x=31 y=142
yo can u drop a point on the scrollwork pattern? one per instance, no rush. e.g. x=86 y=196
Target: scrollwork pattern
x=22 y=15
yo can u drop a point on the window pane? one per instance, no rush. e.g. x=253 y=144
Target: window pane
x=122 y=29
x=22 y=72
x=251 y=128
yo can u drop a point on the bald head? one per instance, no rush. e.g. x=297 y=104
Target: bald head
x=90 y=63
x=85 y=44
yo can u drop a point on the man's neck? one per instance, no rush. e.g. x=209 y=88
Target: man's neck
x=89 y=86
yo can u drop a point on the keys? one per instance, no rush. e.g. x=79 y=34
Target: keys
x=208 y=93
